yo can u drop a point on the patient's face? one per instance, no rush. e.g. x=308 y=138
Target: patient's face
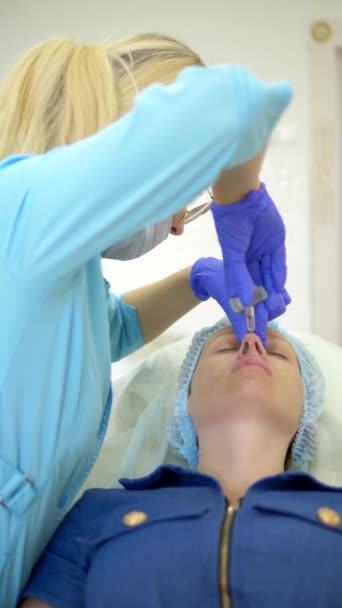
x=237 y=380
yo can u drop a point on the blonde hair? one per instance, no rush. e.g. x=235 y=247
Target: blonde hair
x=61 y=92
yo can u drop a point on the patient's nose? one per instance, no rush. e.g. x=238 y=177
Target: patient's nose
x=252 y=346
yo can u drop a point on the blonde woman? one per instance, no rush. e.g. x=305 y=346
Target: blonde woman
x=88 y=160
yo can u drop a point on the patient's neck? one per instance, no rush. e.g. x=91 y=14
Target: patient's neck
x=239 y=453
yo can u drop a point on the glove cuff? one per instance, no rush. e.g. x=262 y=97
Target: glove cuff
x=195 y=281
x=251 y=198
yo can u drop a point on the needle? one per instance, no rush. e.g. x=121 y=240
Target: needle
x=250 y=319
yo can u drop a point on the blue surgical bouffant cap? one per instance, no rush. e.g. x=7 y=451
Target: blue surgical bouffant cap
x=183 y=435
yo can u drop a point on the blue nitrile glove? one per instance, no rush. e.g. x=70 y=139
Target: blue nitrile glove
x=207 y=279
x=252 y=237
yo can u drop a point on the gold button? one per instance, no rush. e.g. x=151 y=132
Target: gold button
x=329 y=517
x=134 y=518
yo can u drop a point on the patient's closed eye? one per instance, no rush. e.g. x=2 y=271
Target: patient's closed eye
x=274 y=354
x=232 y=349
x=275 y=348
x=228 y=349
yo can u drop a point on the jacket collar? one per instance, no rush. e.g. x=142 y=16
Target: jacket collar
x=169 y=476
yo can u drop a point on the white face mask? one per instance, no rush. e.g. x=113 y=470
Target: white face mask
x=140 y=242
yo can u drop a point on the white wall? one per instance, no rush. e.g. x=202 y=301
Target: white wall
x=269 y=37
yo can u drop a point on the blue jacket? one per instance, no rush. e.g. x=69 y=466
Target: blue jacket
x=59 y=332
x=169 y=540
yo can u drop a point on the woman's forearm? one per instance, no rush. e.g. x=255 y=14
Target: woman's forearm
x=161 y=304
x=234 y=184
x=98 y=195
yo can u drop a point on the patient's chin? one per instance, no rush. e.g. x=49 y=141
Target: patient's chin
x=250 y=402
x=251 y=398
x=250 y=383
x=248 y=392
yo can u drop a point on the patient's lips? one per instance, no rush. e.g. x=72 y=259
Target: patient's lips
x=252 y=362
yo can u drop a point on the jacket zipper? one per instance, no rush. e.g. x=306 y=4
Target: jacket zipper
x=224 y=553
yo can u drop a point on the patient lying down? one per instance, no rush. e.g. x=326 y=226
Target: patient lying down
x=244 y=526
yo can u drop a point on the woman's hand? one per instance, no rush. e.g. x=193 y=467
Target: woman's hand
x=251 y=232
x=208 y=280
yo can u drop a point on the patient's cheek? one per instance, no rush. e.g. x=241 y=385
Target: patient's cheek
x=197 y=401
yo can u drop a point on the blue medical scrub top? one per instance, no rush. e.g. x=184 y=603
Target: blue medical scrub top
x=59 y=329
x=161 y=542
